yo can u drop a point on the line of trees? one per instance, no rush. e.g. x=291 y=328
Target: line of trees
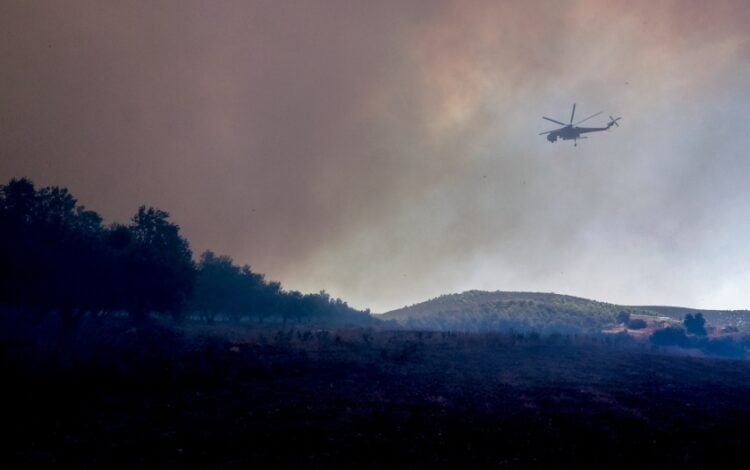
x=58 y=256
x=234 y=293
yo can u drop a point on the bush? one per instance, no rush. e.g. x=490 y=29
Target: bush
x=671 y=336
x=636 y=324
x=695 y=325
x=726 y=347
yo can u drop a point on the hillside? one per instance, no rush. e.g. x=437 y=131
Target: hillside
x=537 y=311
x=739 y=319
x=519 y=311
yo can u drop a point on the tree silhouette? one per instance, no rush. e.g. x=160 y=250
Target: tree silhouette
x=158 y=265
x=670 y=336
x=695 y=324
x=217 y=288
x=50 y=251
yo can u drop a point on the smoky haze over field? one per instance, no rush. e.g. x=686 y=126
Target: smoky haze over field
x=388 y=151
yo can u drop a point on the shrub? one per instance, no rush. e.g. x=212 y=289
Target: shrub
x=695 y=325
x=636 y=324
x=671 y=336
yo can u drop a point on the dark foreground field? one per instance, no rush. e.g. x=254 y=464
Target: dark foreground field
x=149 y=397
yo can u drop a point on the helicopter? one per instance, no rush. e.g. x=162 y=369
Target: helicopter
x=572 y=132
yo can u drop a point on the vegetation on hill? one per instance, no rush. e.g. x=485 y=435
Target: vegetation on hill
x=518 y=311
x=739 y=319
x=549 y=313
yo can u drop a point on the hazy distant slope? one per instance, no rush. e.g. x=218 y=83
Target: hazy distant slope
x=719 y=318
x=520 y=311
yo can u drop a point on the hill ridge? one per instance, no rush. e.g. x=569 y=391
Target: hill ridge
x=546 y=312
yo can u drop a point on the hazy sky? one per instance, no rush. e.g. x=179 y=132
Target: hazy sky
x=387 y=151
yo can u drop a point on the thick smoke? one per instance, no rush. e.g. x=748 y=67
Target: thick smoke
x=388 y=151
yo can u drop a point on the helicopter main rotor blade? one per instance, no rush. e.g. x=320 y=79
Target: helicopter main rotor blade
x=548 y=132
x=573 y=113
x=583 y=120
x=556 y=122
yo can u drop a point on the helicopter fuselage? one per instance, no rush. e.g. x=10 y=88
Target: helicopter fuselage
x=566 y=133
x=573 y=132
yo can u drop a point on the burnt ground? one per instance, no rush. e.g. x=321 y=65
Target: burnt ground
x=369 y=398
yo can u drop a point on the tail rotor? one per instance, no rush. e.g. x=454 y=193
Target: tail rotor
x=613 y=121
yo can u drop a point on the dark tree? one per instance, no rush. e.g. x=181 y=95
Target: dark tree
x=50 y=252
x=637 y=324
x=158 y=272
x=218 y=288
x=695 y=325
x=261 y=297
x=671 y=336
x=222 y=288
